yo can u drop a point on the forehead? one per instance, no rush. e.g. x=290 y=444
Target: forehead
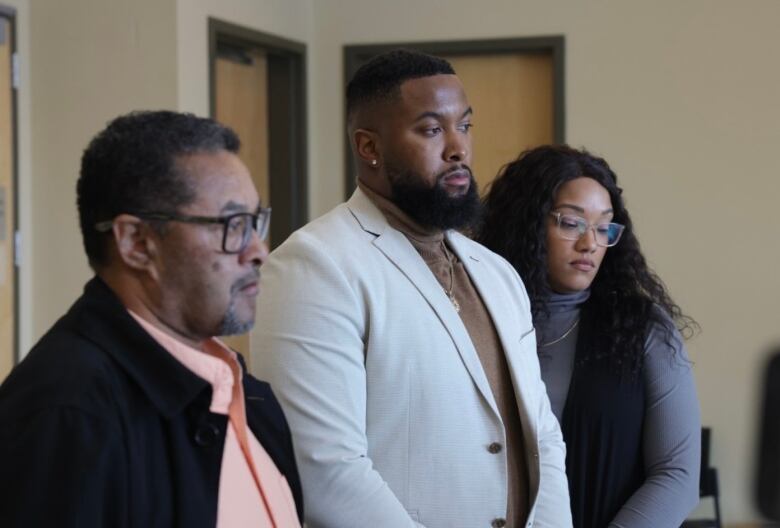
x=218 y=179
x=585 y=194
x=441 y=94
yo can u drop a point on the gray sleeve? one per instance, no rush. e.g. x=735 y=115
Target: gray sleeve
x=671 y=440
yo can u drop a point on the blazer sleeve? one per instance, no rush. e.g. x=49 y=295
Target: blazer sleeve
x=64 y=467
x=552 y=508
x=312 y=324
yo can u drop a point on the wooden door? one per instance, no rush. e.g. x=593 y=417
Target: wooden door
x=242 y=104
x=512 y=95
x=7 y=205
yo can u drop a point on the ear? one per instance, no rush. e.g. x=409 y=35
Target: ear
x=367 y=145
x=136 y=243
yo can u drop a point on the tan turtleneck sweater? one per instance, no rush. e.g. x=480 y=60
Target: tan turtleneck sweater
x=452 y=276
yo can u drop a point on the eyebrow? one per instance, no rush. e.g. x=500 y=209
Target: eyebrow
x=235 y=207
x=439 y=117
x=581 y=210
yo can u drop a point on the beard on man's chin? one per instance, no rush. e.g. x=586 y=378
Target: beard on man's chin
x=433 y=207
x=231 y=323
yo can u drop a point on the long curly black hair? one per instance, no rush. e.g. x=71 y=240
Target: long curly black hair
x=626 y=297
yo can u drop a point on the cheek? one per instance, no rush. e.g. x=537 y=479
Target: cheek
x=598 y=257
x=557 y=249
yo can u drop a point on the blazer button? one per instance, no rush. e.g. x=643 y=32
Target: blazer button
x=206 y=435
x=495 y=448
x=498 y=523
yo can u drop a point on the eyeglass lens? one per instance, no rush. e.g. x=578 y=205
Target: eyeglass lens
x=574 y=227
x=239 y=228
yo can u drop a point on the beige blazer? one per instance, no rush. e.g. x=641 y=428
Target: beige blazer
x=390 y=410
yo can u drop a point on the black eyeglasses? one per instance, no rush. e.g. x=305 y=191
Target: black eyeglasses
x=237 y=228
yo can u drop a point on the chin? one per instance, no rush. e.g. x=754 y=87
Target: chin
x=572 y=287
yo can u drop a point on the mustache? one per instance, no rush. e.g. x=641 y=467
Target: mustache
x=247 y=279
x=456 y=168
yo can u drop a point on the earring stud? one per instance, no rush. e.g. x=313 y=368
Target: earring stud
x=373 y=163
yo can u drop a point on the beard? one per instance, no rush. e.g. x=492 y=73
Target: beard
x=434 y=207
x=232 y=323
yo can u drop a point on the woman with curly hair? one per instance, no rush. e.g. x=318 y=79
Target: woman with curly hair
x=608 y=338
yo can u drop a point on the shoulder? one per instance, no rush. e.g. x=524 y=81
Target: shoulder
x=485 y=255
x=331 y=233
x=503 y=275
x=63 y=370
x=495 y=263
x=664 y=346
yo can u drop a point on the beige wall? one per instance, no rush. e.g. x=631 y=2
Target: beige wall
x=681 y=97
x=91 y=60
x=289 y=19
x=94 y=60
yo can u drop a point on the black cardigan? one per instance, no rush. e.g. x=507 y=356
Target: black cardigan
x=100 y=426
x=602 y=426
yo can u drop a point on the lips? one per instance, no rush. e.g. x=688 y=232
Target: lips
x=249 y=289
x=457 y=178
x=247 y=285
x=583 y=265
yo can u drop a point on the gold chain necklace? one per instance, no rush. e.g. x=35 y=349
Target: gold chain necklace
x=564 y=336
x=450 y=295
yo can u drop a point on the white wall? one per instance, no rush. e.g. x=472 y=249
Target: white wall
x=681 y=98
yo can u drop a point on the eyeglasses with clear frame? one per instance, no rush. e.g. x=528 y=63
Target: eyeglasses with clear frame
x=236 y=232
x=573 y=227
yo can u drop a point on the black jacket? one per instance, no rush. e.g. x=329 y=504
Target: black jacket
x=100 y=426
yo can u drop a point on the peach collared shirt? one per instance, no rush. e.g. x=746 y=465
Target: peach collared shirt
x=252 y=491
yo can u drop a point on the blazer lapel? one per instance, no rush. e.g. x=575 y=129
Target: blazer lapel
x=395 y=246
x=495 y=301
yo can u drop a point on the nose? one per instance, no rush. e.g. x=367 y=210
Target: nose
x=587 y=242
x=458 y=146
x=255 y=252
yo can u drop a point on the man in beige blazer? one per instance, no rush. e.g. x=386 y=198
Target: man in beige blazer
x=403 y=352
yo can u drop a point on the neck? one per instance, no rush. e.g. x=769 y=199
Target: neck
x=136 y=297
x=398 y=218
x=376 y=184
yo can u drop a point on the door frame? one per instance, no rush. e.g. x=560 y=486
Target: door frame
x=9 y=13
x=357 y=55
x=287 y=159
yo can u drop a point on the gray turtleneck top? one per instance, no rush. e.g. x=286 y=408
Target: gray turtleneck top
x=671 y=441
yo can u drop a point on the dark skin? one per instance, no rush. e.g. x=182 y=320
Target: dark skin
x=424 y=131
x=167 y=278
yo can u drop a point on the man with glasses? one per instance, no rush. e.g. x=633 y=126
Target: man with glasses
x=129 y=412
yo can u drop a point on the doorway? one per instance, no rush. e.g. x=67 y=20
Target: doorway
x=258 y=89
x=8 y=195
x=515 y=87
